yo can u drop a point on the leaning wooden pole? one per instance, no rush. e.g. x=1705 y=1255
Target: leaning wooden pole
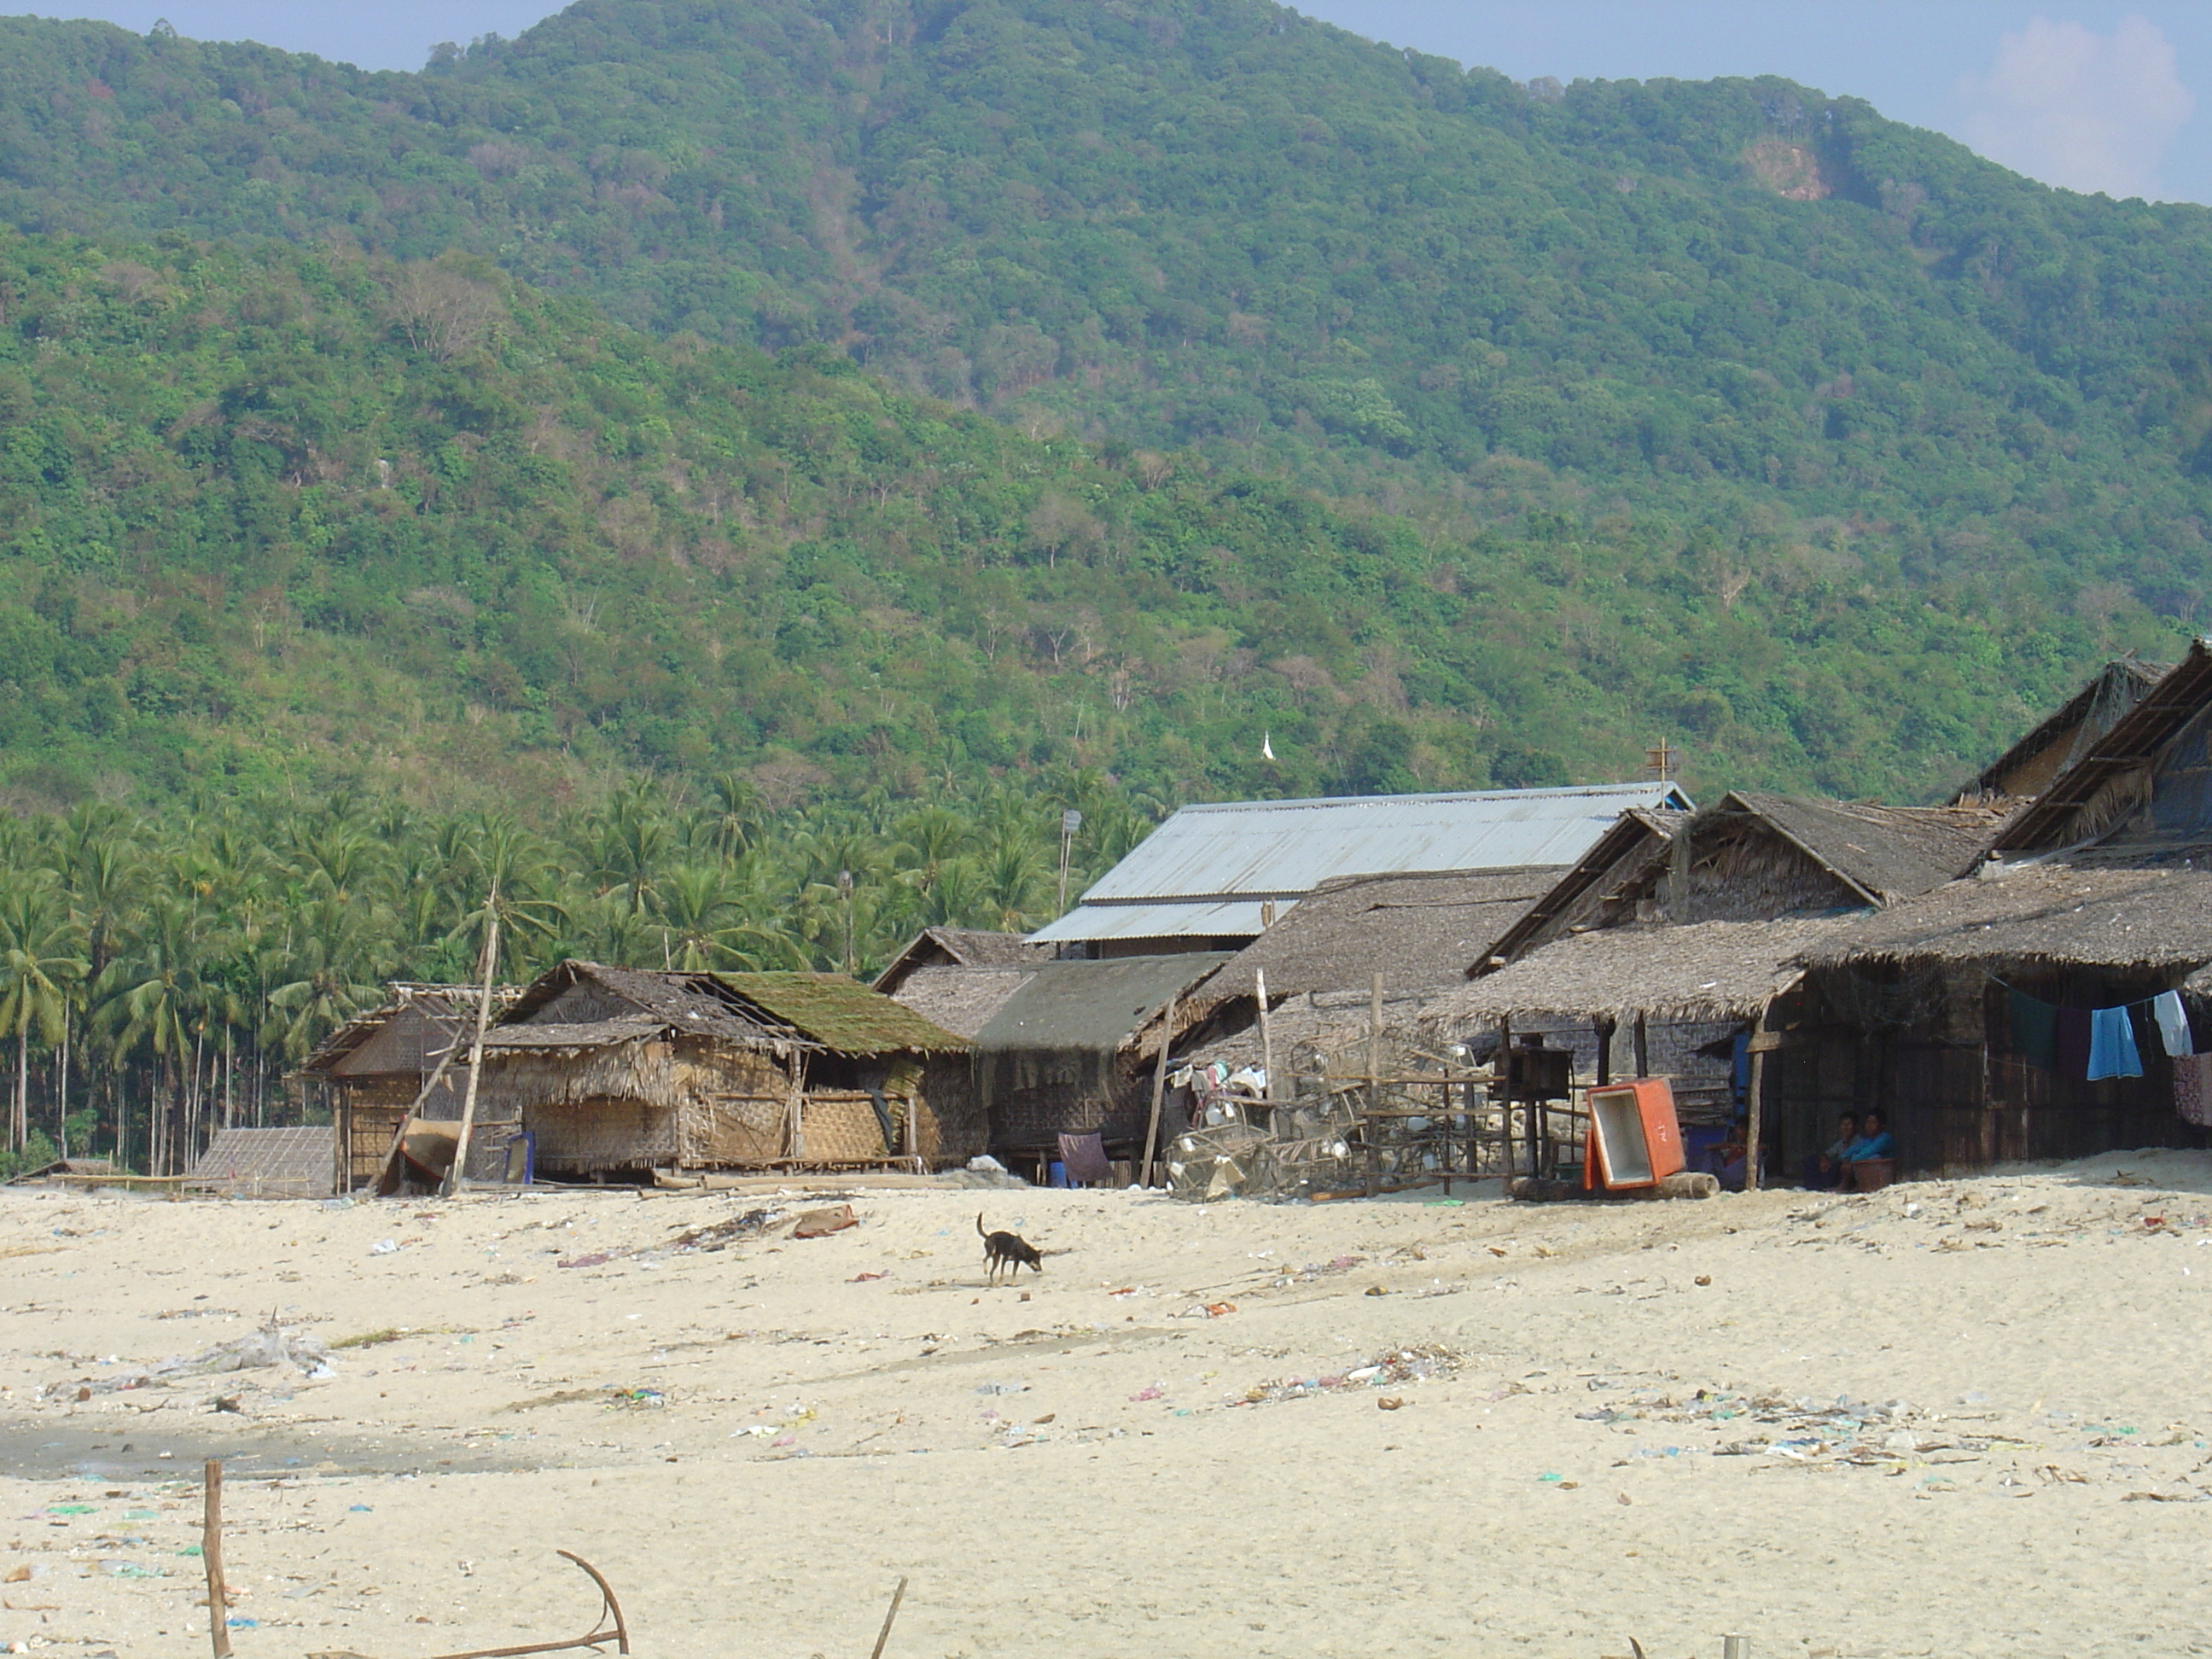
x=1266 y=1041
x=1159 y=1092
x=453 y=1177
x=211 y=1559
x=1752 y=1090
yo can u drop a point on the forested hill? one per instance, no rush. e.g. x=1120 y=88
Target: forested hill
x=1218 y=222
x=278 y=518
x=1725 y=412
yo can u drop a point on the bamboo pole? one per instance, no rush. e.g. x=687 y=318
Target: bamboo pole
x=1504 y=1083
x=1159 y=1091
x=1751 y=1126
x=453 y=1177
x=1374 y=1074
x=211 y=1559
x=1267 y=1042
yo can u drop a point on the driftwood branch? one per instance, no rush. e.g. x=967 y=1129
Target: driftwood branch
x=602 y=1633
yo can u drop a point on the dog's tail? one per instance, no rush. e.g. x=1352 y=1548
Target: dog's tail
x=979 y=1225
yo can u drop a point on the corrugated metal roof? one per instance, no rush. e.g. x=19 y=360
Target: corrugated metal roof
x=1207 y=864
x=1238 y=919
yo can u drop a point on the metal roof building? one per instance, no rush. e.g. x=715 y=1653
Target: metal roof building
x=1214 y=876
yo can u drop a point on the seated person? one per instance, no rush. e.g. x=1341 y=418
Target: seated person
x=1875 y=1144
x=1823 y=1172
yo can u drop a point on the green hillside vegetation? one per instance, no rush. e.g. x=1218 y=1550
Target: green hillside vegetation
x=1214 y=222
x=282 y=519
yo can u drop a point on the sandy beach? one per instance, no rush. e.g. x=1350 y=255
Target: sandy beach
x=1952 y=1418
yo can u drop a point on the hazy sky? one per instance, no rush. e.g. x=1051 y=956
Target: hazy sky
x=2094 y=96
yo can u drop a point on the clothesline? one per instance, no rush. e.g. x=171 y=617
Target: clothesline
x=2139 y=1002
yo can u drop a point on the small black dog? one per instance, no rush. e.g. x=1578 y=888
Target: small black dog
x=1009 y=1251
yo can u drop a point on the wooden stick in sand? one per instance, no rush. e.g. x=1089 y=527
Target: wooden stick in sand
x=897 y=1596
x=1159 y=1088
x=211 y=1558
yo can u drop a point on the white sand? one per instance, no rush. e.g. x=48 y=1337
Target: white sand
x=1556 y=1489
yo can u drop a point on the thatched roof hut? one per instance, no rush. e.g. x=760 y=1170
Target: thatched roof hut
x=2072 y=914
x=958 y=978
x=958 y=947
x=1703 y=971
x=2147 y=781
x=1616 y=881
x=1069 y=1051
x=2030 y=765
x=1420 y=932
x=370 y=1071
x=607 y=1067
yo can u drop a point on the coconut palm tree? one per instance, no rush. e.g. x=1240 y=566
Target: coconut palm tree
x=41 y=962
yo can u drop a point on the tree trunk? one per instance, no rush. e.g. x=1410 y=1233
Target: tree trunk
x=20 y=1129
x=61 y=1088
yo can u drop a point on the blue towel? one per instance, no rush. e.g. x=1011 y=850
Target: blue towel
x=2173 y=1025
x=2113 y=1045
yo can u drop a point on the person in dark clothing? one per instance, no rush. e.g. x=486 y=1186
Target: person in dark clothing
x=1823 y=1170
x=1875 y=1146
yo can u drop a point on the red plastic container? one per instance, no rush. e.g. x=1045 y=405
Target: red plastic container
x=1634 y=1138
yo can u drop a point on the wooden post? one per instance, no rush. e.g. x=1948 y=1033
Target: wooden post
x=1374 y=1079
x=1642 y=1046
x=1751 y=1126
x=1266 y=1044
x=1605 y=1027
x=454 y=1175
x=211 y=1559
x=1159 y=1091
x=1504 y=1069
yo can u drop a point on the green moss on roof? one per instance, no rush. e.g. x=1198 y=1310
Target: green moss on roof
x=841 y=1014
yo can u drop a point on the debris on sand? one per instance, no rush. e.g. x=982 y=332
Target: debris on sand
x=270 y=1347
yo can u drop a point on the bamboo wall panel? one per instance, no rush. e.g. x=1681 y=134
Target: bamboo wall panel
x=580 y=1137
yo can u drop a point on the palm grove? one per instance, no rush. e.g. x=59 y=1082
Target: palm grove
x=158 y=977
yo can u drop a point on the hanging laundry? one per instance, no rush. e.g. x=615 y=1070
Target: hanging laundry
x=2035 y=1030
x=2074 y=1042
x=2173 y=1024
x=2192 y=1089
x=2112 y=1044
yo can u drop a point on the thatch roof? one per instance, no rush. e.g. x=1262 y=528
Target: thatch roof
x=1096 y=1007
x=697 y=1003
x=1706 y=971
x=1416 y=930
x=840 y=1014
x=958 y=947
x=1625 y=861
x=80 y=1167
x=1336 y=1023
x=815 y=1012
x=282 y=1163
x=961 y=999
x=573 y=1035
x=2078 y=913
x=1884 y=854
x=2067 y=735
x=2095 y=793
x=449 y=1004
